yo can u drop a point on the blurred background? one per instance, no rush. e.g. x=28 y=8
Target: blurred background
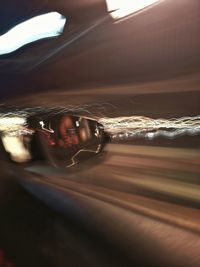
x=134 y=67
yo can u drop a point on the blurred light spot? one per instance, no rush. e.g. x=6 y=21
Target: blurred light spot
x=122 y=8
x=15 y=146
x=12 y=120
x=36 y=28
x=11 y=123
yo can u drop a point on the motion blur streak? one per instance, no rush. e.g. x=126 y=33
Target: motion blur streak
x=139 y=126
x=148 y=180
x=12 y=129
x=123 y=8
x=43 y=26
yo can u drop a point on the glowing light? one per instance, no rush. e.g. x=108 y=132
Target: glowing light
x=39 y=27
x=14 y=145
x=138 y=126
x=122 y=8
x=11 y=123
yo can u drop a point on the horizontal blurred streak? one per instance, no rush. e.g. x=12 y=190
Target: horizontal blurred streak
x=166 y=163
x=127 y=200
x=160 y=172
x=128 y=222
x=176 y=153
x=169 y=187
x=149 y=180
x=140 y=126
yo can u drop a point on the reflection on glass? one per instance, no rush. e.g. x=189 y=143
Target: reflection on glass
x=68 y=134
x=70 y=140
x=61 y=139
x=84 y=130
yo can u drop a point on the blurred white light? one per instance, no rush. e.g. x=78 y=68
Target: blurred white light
x=139 y=126
x=122 y=8
x=14 y=145
x=36 y=28
x=12 y=120
x=11 y=123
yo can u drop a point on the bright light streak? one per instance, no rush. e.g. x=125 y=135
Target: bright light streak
x=138 y=126
x=45 y=129
x=122 y=8
x=36 y=28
